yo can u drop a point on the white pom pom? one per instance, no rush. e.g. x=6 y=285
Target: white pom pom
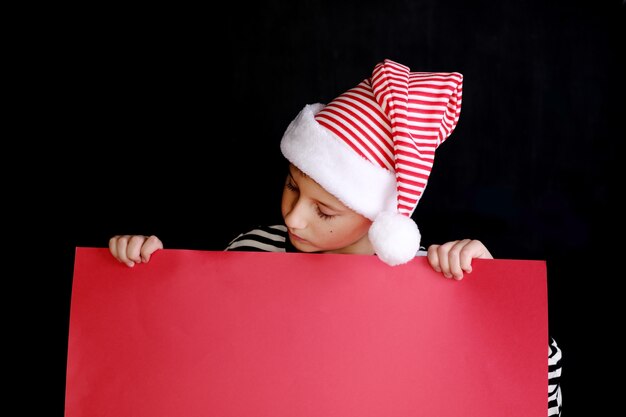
x=395 y=238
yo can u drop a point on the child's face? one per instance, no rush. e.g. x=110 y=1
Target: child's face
x=318 y=221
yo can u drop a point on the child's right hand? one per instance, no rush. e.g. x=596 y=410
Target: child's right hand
x=454 y=258
x=134 y=249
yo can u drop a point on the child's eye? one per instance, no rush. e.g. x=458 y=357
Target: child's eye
x=322 y=214
x=290 y=186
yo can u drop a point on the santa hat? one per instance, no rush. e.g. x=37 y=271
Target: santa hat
x=373 y=148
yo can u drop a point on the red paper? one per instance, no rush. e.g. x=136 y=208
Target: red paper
x=202 y=333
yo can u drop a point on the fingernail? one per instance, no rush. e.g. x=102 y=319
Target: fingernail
x=447 y=275
x=130 y=264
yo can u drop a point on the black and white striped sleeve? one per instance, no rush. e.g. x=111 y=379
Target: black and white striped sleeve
x=261 y=239
x=554 y=379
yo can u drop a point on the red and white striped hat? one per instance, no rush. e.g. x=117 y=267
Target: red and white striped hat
x=373 y=148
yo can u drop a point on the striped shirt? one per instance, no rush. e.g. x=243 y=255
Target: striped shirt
x=275 y=239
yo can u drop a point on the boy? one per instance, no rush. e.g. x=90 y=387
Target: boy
x=358 y=168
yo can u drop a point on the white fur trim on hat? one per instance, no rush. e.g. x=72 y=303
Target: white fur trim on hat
x=361 y=185
x=394 y=237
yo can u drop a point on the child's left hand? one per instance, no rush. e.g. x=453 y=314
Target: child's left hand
x=454 y=258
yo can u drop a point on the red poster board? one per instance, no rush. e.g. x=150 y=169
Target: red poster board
x=202 y=333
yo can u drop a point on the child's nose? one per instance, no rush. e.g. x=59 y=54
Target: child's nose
x=296 y=218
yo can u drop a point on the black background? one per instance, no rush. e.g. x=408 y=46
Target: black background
x=176 y=117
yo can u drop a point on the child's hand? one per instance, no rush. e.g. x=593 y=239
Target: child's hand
x=135 y=249
x=453 y=258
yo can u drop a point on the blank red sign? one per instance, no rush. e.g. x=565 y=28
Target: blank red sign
x=204 y=333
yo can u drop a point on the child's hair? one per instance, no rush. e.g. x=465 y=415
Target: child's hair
x=373 y=148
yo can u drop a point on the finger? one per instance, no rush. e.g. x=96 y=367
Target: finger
x=122 y=244
x=454 y=258
x=483 y=251
x=474 y=249
x=433 y=257
x=151 y=245
x=466 y=260
x=444 y=262
x=133 y=250
x=113 y=246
